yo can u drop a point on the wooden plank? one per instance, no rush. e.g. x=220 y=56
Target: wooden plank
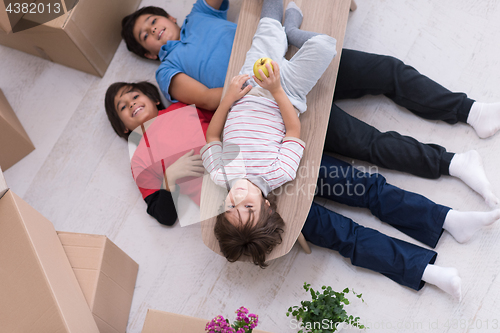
x=323 y=16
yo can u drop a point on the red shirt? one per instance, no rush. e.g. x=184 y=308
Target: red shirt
x=174 y=132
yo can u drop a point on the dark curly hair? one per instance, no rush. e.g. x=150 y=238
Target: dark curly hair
x=128 y=23
x=146 y=88
x=255 y=241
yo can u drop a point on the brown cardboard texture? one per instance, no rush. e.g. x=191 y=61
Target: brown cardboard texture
x=107 y=277
x=38 y=289
x=85 y=38
x=6 y=24
x=166 y=322
x=4 y=19
x=3 y=184
x=14 y=142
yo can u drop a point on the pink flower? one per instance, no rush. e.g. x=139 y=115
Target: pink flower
x=221 y=325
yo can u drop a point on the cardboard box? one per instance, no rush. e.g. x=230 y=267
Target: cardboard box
x=38 y=289
x=14 y=142
x=106 y=275
x=6 y=24
x=4 y=19
x=3 y=184
x=85 y=38
x=166 y=322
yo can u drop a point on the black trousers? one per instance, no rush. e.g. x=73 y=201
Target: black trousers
x=361 y=74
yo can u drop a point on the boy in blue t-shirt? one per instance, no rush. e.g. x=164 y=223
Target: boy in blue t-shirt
x=197 y=52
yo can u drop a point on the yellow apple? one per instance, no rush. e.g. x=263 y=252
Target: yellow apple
x=261 y=64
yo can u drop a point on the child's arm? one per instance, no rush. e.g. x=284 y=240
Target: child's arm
x=214 y=3
x=189 y=91
x=161 y=206
x=273 y=84
x=188 y=165
x=233 y=93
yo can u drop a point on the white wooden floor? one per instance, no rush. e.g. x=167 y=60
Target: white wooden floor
x=79 y=178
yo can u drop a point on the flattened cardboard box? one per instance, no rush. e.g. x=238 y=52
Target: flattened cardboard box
x=14 y=142
x=85 y=38
x=107 y=276
x=38 y=289
x=166 y=322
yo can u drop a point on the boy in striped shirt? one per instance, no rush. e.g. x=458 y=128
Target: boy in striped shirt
x=261 y=149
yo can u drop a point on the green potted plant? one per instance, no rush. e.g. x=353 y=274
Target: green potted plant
x=325 y=313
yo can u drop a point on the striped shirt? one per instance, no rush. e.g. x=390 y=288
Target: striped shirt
x=254 y=146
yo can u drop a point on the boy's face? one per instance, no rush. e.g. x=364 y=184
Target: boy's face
x=134 y=108
x=154 y=31
x=243 y=197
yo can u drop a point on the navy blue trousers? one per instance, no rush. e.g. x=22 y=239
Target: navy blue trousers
x=411 y=213
x=361 y=74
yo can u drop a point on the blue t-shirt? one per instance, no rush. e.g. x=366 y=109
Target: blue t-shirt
x=203 y=51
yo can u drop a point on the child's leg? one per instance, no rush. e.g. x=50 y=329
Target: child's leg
x=410 y=213
x=272 y=9
x=469 y=168
x=269 y=41
x=293 y=20
x=463 y=225
x=398 y=260
x=302 y=72
x=484 y=118
x=445 y=278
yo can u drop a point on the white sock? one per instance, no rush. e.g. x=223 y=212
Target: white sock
x=468 y=167
x=445 y=278
x=484 y=118
x=463 y=225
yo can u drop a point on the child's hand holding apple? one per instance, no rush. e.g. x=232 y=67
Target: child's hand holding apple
x=235 y=92
x=271 y=82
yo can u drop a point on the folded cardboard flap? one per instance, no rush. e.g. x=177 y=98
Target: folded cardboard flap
x=10 y=117
x=4 y=19
x=107 y=276
x=166 y=322
x=86 y=24
x=38 y=289
x=11 y=18
x=14 y=141
x=3 y=184
x=75 y=39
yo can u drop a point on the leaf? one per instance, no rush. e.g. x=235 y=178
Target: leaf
x=325 y=304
